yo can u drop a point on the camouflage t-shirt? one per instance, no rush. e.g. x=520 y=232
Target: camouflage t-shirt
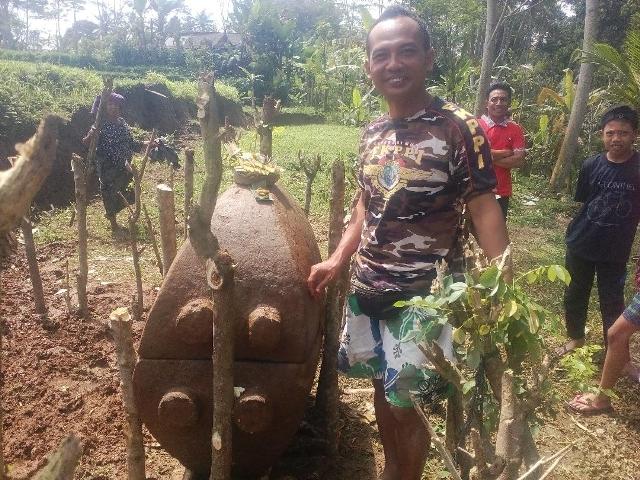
x=415 y=174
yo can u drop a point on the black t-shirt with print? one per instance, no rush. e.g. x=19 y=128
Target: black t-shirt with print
x=604 y=228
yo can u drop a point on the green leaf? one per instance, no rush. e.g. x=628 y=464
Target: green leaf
x=484 y=329
x=531 y=276
x=473 y=358
x=510 y=308
x=551 y=274
x=459 y=335
x=467 y=386
x=356 y=97
x=489 y=277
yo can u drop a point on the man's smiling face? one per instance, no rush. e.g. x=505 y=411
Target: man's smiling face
x=398 y=62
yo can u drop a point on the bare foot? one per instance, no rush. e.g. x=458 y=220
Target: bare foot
x=590 y=404
x=569 y=347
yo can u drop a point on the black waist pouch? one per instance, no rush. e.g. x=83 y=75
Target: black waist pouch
x=379 y=305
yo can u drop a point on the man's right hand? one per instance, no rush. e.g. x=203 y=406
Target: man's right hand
x=321 y=274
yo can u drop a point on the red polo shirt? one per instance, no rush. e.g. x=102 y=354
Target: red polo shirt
x=506 y=135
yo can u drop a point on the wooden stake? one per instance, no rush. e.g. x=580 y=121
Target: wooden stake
x=134 y=216
x=166 y=207
x=120 y=323
x=79 y=167
x=62 y=463
x=3 y=469
x=188 y=186
x=311 y=169
x=327 y=394
x=437 y=441
x=154 y=240
x=220 y=279
x=270 y=110
x=34 y=271
x=97 y=124
x=67 y=288
x=20 y=183
x=210 y=130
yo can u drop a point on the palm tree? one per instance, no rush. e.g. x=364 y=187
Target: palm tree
x=623 y=66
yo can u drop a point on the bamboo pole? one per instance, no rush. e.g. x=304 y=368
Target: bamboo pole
x=220 y=280
x=34 y=271
x=188 y=186
x=62 y=463
x=327 y=393
x=120 y=323
x=79 y=167
x=166 y=207
x=154 y=240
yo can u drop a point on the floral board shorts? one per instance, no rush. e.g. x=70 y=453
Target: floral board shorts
x=632 y=312
x=384 y=349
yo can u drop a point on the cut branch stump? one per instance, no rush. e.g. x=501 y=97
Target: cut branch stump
x=220 y=280
x=311 y=167
x=210 y=130
x=188 y=186
x=34 y=270
x=166 y=207
x=154 y=240
x=327 y=393
x=97 y=124
x=79 y=167
x=62 y=463
x=120 y=323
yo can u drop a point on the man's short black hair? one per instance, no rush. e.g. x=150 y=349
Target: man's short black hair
x=500 y=86
x=395 y=11
x=623 y=113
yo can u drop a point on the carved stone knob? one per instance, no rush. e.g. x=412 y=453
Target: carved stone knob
x=178 y=408
x=264 y=328
x=253 y=413
x=194 y=323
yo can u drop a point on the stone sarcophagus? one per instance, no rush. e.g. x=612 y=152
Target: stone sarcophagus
x=278 y=329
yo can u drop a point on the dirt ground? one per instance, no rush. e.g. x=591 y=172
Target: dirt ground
x=59 y=376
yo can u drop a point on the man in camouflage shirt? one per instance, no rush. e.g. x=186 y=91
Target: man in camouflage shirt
x=419 y=164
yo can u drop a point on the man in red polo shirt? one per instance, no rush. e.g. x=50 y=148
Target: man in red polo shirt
x=506 y=139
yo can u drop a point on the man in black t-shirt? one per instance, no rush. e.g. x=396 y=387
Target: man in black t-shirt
x=600 y=236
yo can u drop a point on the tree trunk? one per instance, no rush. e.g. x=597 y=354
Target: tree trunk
x=62 y=463
x=570 y=141
x=327 y=394
x=166 y=208
x=188 y=187
x=488 y=54
x=79 y=168
x=120 y=323
x=210 y=124
x=34 y=271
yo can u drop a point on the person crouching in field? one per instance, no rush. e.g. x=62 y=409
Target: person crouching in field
x=114 y=152
x=599 y=238
x=418 y=164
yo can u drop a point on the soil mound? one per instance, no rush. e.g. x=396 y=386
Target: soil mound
x=148 y=106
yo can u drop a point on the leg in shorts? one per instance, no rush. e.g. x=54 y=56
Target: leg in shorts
x=632 y=312
x=385 y=350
